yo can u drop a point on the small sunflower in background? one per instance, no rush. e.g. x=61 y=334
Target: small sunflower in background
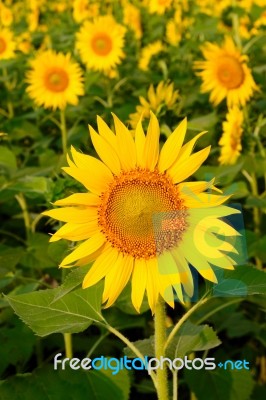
x=7 y=44
x=158 y=6
x=225 y=74
x=138 y=220
x=147 y=52
x=163 y=96
x=54 y=80
x=230 y=141
x=100 y=43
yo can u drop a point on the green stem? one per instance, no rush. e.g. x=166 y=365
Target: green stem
x=68 y=345
x=23 y=205
x=63 y=130
x=175 y=385
x=132 y=347
x=160 y=338
x=182 y=320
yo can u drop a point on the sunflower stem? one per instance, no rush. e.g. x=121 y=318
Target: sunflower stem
x=183 y=319
x=68 y=345
x=133 y=348
x=160 y=338
x=63 y=130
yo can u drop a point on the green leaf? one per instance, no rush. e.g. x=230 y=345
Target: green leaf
x=255 y=202
x=72 y=313
x=121 y=380
x=244 y=280
x=72 y=281
x=7 y=159
x=192 y=338
x=31 y=185
x=189 y=338
x=220 y=384
x=69 y=384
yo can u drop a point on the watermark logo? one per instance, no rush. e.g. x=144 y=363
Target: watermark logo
x=148 y=363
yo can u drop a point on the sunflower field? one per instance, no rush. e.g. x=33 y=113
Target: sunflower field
x=133 y=199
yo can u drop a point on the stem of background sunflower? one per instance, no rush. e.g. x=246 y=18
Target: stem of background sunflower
x=235 y=22
x=68 y=345
x=63 y=130
x=67 y=336
x=10 y=108
x=23 y=205
x=160 y=338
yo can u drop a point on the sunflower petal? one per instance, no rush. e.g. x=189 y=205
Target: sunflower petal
x=183 y=169
x=105 y=152
x=151 y=148
x=172 y=146
x=84 y=249
x=126 y=145
x=85 y=199
x=139 y=281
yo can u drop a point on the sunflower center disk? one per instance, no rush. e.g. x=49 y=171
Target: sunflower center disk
x=129 y=210
x=230 y=72
x=2 y=45
x=101 y=44
x=56 y=80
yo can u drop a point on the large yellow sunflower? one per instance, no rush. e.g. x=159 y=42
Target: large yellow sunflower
x=230 y=141
x=54 y=80
x=225 y=74
x=101 y=43
x=7 y=44
x=137 y=220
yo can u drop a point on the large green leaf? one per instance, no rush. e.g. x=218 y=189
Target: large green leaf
x=220 y=384
x=69 y=384
x=72 y=281
x=72 y=313
x=244 y=280
x=189 y=338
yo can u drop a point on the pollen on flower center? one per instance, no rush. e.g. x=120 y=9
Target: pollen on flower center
x=101 y=44
x=56 y=80
x=2 y=45
x=230 y=72
x=128 y=207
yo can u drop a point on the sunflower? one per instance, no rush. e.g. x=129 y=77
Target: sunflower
x=101 y=43
x=230 y=141
x=158 y=6
x=84 y=9
x=225 y=74
x=137 y=220
x=148 y=52
x=7 y=44
x=164 y=96
x=54 y=80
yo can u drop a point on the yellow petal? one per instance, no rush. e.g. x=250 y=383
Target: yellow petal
x=184 y=271
x=101 y=267
x=92 y=173
x=84 y=249
x=140 y=144
x=76 y=215
x=76 y=232
x=117 y=279
x=183 y=169
x=203 y=200
x=151 y=148
x=126 y=145
x=86 y=199
x=187 y=149
x=105 y=152
x=139 y=281
x=152 y=283
x=106 y=132
x=190 y=188
x=172 y=146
